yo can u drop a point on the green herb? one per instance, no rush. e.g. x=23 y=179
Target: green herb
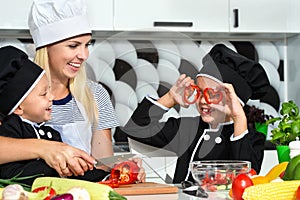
x=115 y=196
x=16 y=180
x=289 y=124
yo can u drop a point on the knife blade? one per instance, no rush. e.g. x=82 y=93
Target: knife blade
x=111 y=161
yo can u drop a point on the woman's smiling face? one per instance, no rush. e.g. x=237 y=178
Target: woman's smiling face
x=66 y=57
x=209 y=112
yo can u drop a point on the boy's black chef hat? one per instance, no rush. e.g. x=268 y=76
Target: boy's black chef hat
x=248 y=77
x=18 y=76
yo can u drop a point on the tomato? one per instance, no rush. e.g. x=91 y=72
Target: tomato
x=298 y=193
x=252 y=172
x=239 y=184
x=51 y=192
x=126 y=172
x=281 y=175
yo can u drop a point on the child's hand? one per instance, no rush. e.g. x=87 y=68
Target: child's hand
x=176 y=93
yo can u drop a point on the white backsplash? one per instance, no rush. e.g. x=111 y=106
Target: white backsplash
x=131 y=69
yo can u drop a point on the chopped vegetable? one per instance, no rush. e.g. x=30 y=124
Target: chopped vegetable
x=112 y=182
x=48 y=190
x=62 y=185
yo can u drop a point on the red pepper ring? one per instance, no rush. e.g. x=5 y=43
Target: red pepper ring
x=187 y=93
x=212 y=96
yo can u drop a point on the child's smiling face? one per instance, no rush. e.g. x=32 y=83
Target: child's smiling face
x=37 y=106
x=208 y=112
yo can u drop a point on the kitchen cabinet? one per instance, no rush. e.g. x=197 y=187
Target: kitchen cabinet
x=243 y=16
x=258 y=16
x=223 y=16
x=293 y=16
x=176 y=15
x=14 y=14
x=100 y=13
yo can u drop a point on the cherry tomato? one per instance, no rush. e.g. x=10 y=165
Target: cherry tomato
x=239 y=184
x=298 y=193
x=51 y=193
x=126 y=172
x=252 y=172
x=282 y=175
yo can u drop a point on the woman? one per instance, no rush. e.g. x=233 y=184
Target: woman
x=82 y=111
x=56 y=154
x=225 y=83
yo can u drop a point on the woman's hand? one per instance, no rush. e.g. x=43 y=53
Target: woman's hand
x=65 y=159
x=176 y=93
x=142 y=174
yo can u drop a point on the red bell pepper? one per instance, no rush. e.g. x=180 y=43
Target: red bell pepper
x=212 y=96
x=123 y=173
x=126 y=172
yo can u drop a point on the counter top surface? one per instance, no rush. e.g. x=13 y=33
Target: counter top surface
x=181 y=196
x=222 y=194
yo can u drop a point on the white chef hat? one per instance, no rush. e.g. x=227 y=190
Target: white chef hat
x=51 y=21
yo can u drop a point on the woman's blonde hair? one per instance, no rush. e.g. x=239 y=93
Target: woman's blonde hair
x=77 y=86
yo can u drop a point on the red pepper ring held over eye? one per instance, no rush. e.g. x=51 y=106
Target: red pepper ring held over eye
x=193 y=92
x=189 y=91
x=212 y=96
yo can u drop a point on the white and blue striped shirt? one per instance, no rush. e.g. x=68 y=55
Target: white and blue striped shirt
x=66 y=111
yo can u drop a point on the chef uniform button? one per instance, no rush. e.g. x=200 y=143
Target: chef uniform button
x=218 y=140
x=49 y=134
x=41 y=132
x=206 y=137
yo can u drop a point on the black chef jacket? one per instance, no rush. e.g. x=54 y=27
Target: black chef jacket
x=191 y=139
x=14 y=127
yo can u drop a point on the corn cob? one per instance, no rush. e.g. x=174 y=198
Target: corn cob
x=62 y=185
x=1 y=190
x=284 y=190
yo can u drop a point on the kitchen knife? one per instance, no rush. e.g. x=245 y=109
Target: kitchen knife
x=111 y=161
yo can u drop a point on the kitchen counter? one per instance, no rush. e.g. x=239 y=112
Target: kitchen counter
x=181 y=196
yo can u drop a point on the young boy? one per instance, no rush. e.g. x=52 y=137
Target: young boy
x=25 y=104
x=226 y=81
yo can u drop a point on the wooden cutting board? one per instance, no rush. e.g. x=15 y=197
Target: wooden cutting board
x=146 y=188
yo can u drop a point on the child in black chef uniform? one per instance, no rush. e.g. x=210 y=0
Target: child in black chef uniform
x=25 y=105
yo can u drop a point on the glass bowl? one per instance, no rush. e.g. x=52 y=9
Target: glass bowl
x=214 y=175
